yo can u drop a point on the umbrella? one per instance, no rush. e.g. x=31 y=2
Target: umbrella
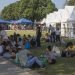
x=12 y=21
x=23 y=21
x=3 y=21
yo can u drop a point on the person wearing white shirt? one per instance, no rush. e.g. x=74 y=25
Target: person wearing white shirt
x=4 y=35
x=58 y=34
x=50 y=55
x=53 y=35
x=26 y=58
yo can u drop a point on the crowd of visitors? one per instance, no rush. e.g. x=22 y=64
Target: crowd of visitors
x=16 y=27
x=18 y=48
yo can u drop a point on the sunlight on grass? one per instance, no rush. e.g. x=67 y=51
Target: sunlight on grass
x=21 y=32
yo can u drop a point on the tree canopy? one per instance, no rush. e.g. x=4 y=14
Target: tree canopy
x=72 y=2
x=30 y=9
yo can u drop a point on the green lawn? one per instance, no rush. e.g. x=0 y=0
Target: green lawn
x=21 y=32
x=64 y=66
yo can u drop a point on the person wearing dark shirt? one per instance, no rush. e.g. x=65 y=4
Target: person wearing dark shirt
x=38 y=36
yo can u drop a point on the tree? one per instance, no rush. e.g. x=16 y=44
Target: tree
x=11 y=11
x=72 y=2
x=31 y=9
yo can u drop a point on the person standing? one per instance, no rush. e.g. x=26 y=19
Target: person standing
x=38 y=36
x=53 y=35
x=58 y=35
x=49 y=29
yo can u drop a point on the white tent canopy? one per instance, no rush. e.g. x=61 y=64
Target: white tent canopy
x=66 y=19
x=43 y=21
x=57 y=17
x=53 y=18
x=62 y=15
x=68 y=11
x=72 y=14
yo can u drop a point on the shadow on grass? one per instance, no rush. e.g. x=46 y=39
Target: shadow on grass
x=64 y=66
x=7 y=68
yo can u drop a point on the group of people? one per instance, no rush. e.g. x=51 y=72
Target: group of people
x=15 y=27
x=53 y=34
x=17 y=48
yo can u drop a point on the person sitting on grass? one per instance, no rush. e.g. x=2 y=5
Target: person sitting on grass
x=24 y=38
x=1 y=49
x=29 y=37
x=32 y=41
x=8 y=54
x=47 y=37
x=50 y=55
x=20 y=42
x=26 y=59
x=27 y=44
x=69 y=50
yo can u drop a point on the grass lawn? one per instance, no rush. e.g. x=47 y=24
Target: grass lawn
x=64 y=66
x=21 y=32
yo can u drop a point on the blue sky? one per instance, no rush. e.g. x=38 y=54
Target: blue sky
x=3 y=3
x=59 y=3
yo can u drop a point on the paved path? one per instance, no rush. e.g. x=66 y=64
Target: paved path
x=8 y=68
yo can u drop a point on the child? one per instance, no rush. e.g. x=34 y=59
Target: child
x=50 y=55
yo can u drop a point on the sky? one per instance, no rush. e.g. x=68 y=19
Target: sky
x=3 y=3
x=59 y=3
